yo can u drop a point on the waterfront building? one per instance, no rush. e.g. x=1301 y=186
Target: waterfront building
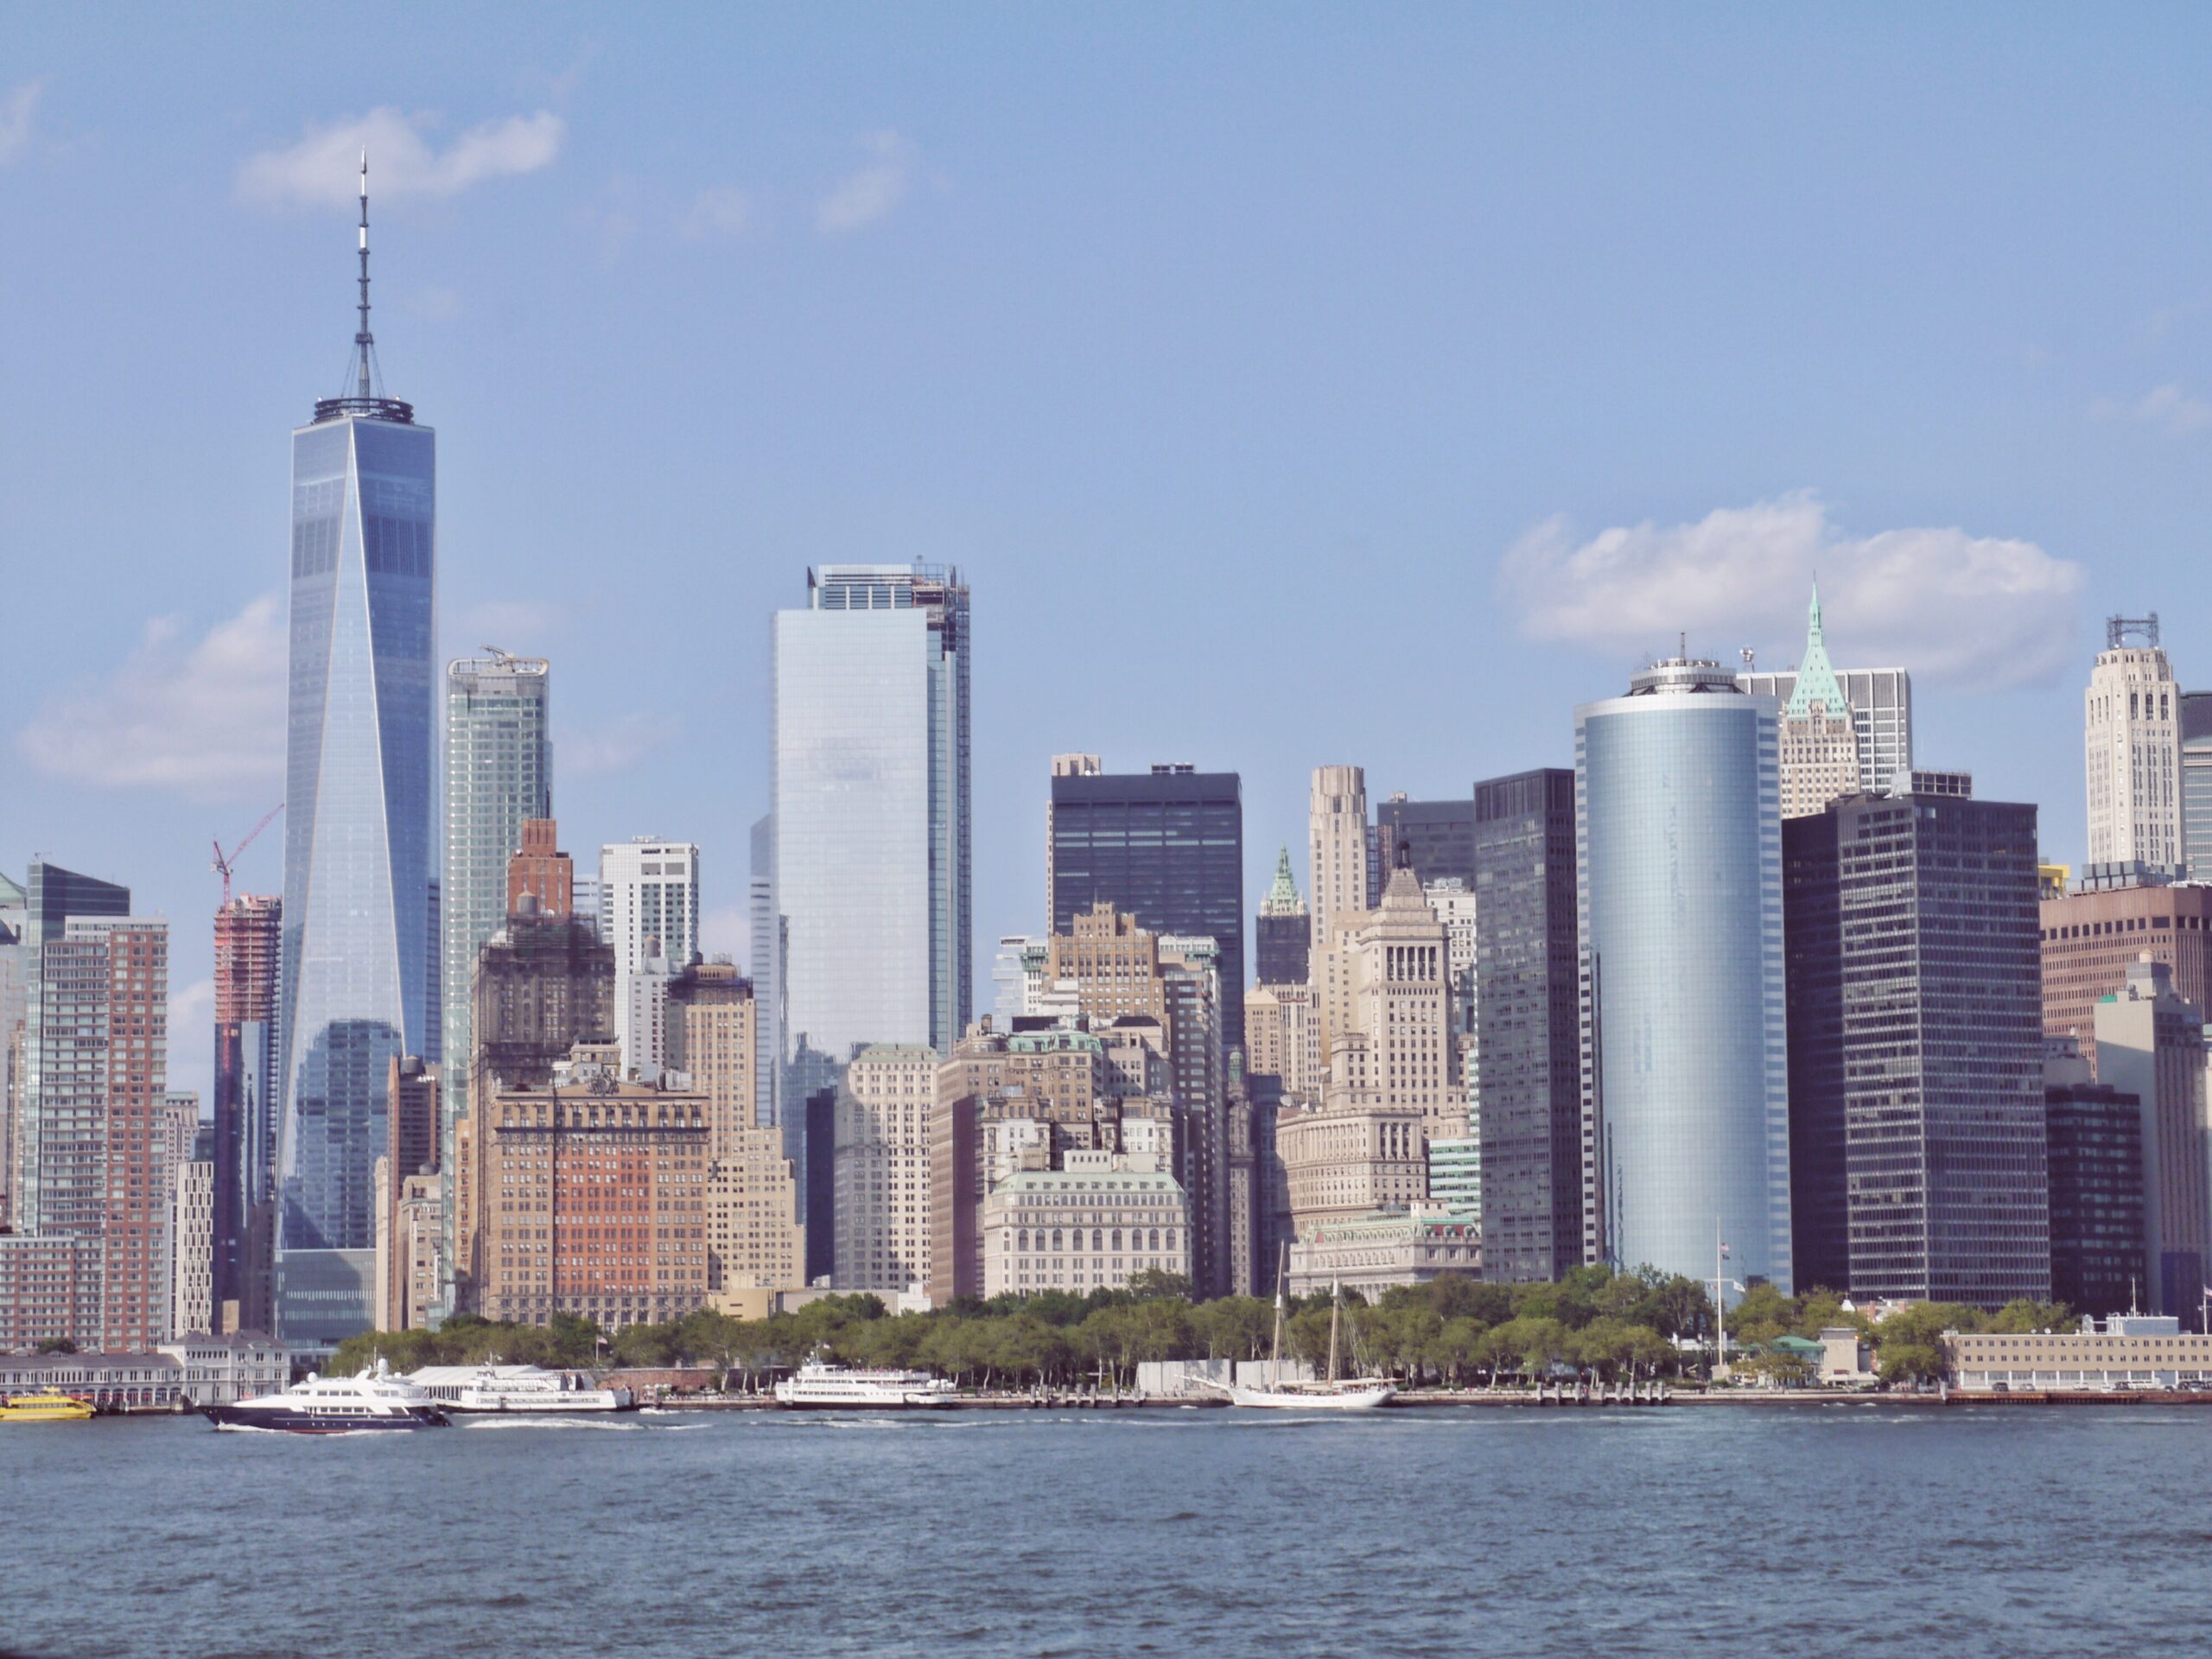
x=135 y=1381
x=1371 y=1253
x=1281 y=934
x=192 y=1244
x=1880 y=704
x=1528 y=1067
x=1337 y=847
x=1678 y=870
x=2132 y=727
x=1438 y=837
x=592 y=1200
x=2091 y=938
x=882 y=1151
x=2094 y=1136
x=358 y=967
x=2197 y=783
x=1455 y=1175
x=1916 y=1148
x=2151 y=1045
x=249 y=947
x=1167 y=848
x=1091 y=1224
x=498 y=777
x=649 y=909
x=224 y=1368
x=2127 y=1351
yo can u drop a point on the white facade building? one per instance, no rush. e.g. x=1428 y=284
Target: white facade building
x=1090 y=1225
x=2131 y=732
x=649 y=906
x=192 y=1241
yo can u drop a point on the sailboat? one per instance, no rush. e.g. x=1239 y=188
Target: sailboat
x=1335 y=1394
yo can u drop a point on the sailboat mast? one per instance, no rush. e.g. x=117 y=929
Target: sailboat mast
x=1336 y=1316
x=1274 y=1355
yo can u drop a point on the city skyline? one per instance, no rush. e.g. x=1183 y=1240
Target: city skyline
x=528 y=151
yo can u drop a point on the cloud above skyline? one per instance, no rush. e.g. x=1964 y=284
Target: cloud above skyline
x=204 y=717
x=17 y=111
x=2168 y=407
x=323 y=168
x=863 y=196
x=1948 y=606
x=721 y=213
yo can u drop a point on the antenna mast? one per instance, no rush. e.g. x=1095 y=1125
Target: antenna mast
x=364 y=341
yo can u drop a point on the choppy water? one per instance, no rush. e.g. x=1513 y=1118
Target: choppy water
x=1844 y=1530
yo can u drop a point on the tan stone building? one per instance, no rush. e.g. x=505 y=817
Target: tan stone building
x=1820 y=759
x=2090 y=940
x=710 y=1040
x=1402 y=1002
x=882 y=1120
x=1355 y=1152
x=1337 y=845
x=411 y=1247
x=1113 y=964
x=754 y=1241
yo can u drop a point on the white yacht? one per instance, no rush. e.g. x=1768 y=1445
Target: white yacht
x=1333 y=1394
x=374 y=1402
x=820 y=1385
x=496 y=1387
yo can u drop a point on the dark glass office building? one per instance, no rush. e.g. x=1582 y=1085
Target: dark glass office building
x=1440 y=835
x=1915 y=1048
x=2095 y=1134
x=1166 y=845
x=1528 y=1090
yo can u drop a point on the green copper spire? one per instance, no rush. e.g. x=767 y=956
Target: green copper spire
x=1816 y=681
x=1282 y=897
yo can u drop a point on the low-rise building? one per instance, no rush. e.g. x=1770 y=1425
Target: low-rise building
x=110 y=1381
x=1088 y=1226
x=2127 y=1351
x=221 y=1370
x=1371 y=1253
x=1846 y=1358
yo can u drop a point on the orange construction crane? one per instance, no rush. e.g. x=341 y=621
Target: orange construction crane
x=223 y=860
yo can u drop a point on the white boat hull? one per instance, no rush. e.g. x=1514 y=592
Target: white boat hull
x=563 y=1404
x=1318 y=1398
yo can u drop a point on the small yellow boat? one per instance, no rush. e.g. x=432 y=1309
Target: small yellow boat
x=46 y=1405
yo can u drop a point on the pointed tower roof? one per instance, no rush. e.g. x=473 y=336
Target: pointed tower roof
x=1282 y=897
x=1816 y=681
x=1403 y=892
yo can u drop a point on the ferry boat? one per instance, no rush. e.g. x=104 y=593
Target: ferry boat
x=821 y=1385
x=373 y=1402
x=529 y=1388
x=46 y=1405
x=1333 y=1394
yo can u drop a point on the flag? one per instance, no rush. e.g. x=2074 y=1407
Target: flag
x=1724 y=1251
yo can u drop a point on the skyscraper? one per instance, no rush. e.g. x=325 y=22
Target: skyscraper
x=1880 y=703
x=1819 y=747
x=1166 y=845
x=1337 y=837
x=1281 y=933
x=869 y=818
x=764 y=936
x=498 y=760
x=2151 y=1045
x=1438 y=837
x=356 y=987
x=1678 y=869
x=1916 y=1147
x=649 y=898
x=2197 y=783
x=2131 y=726
x=249 y=944
x=1529 y=1067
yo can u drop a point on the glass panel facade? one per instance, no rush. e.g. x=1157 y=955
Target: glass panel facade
x=1686 y=1071
x=357 y=924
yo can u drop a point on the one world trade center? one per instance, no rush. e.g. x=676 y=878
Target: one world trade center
x=358 y=917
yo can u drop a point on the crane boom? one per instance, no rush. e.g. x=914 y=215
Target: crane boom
x=224 y=861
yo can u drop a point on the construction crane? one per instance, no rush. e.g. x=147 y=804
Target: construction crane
x=224 y=861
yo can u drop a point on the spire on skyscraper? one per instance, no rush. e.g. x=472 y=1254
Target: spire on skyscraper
x=1816 y=680
x=361 y=395
x=1282 y=897
x=364 y=341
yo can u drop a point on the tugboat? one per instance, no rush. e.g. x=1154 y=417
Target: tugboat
x=374 y=1402
x=46 y=1405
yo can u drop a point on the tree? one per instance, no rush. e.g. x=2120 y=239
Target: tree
x=2025 y=1316
x=1147 y=1284
x=55 y=1346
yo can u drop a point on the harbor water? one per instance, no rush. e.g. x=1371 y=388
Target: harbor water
x=1851 y=1529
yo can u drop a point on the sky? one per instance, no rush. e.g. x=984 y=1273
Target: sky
x=1294 y=384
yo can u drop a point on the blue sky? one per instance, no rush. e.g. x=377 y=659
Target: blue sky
x=1294 y=384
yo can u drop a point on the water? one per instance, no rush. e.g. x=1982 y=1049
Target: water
x=1850 y=1529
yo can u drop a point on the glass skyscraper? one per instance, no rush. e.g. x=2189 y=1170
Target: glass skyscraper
x=2197 y=785
x=869 y=817
x=357 y=929
x=1678 y=867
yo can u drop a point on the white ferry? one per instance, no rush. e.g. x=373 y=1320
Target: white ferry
x=819 y=1385
x=374 y=1402
x=495 y=1388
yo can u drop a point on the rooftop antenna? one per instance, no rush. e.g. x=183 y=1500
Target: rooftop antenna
x=1682 y=639
x=364 y=341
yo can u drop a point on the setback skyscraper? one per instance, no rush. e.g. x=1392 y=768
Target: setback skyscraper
x=1166 y=847
x=649 y=911
x=1678 y=869
x=1280 y=935
x=2132 y=729
x=2197 y=783
x=359 y=939
x=869 y=818
x=249 y=944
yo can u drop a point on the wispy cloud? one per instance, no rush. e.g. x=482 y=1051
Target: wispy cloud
x=863 y=196
x=720 y=214
x=612 y=745
x=203 y=716
x=2167 y=407
x=322 y=168
x=16 y=112
x=1948 y=605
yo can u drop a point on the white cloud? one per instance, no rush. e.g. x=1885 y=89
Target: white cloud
x=2169 y=408
x=718 y=213
x=614 y=746
x=15 y=112
x=1945 y=603
x=726 y=931
x=205 y=717
x=323 y=168
x=862 y=197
